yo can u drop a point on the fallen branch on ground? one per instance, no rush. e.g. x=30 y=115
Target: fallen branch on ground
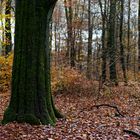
x=112 y=106
x=131 y=132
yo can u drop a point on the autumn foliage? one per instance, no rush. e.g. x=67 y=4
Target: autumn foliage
x=5 y=72
x=64 y=79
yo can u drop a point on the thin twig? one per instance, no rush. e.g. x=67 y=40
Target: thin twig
x=131 y=132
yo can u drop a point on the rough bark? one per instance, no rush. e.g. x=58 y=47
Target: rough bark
x=122 y=53
x=70 y=41
x=31 y=99
x=111 y=42
x=104 y=54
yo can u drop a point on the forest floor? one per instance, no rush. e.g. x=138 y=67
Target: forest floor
x=118 y=117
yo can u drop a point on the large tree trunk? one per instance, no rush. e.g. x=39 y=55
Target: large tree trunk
x=31 y=99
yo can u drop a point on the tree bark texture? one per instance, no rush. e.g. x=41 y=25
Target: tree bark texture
x=122 y=53
x=139 y=38
x=111 y=41
x=104 y=50
x=31 y=99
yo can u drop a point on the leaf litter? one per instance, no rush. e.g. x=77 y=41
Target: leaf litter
x=83 y=120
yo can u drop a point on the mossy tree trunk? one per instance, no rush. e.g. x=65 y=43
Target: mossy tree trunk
x=31 y=99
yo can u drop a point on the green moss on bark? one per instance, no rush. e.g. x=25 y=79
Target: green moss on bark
x=28 y=118
x=9 y=116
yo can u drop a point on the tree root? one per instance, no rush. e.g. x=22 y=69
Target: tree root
x=131 y=132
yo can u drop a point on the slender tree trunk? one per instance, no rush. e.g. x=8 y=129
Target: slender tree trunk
x=56 y=46
x=31 y=99
x=122 y=54
x=111 y=42
x=2 y=27
x=8 y=38
x=80 y=50
x=90 y=30
x=70 y=41
x=104 y=55
x=72 y=46
x=139 y=38
x=128 y=36
x=103 y=52
x=98 y=50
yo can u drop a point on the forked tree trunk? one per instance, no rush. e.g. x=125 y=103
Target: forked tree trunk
x=31 y=99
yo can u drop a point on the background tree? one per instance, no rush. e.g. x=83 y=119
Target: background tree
x=111 y=41
x=8 y=37
x=70 y=39
x=121 y=35
x=139 y=37
x=128 y=36
x=103 y=11
x=2 y=51
x=90 y=33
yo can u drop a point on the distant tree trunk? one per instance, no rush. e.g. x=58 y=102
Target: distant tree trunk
x=128 y=36
x=80 y=47
x=80 y=50
x=104 y=55
x=8 y=38
x=31 y=99
x=139 y=38
x=90 y=30
x=111 y=42
x=2 y=28
x=55 y=43
x=98 y=50
x=122 y=54
x=70 y=41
